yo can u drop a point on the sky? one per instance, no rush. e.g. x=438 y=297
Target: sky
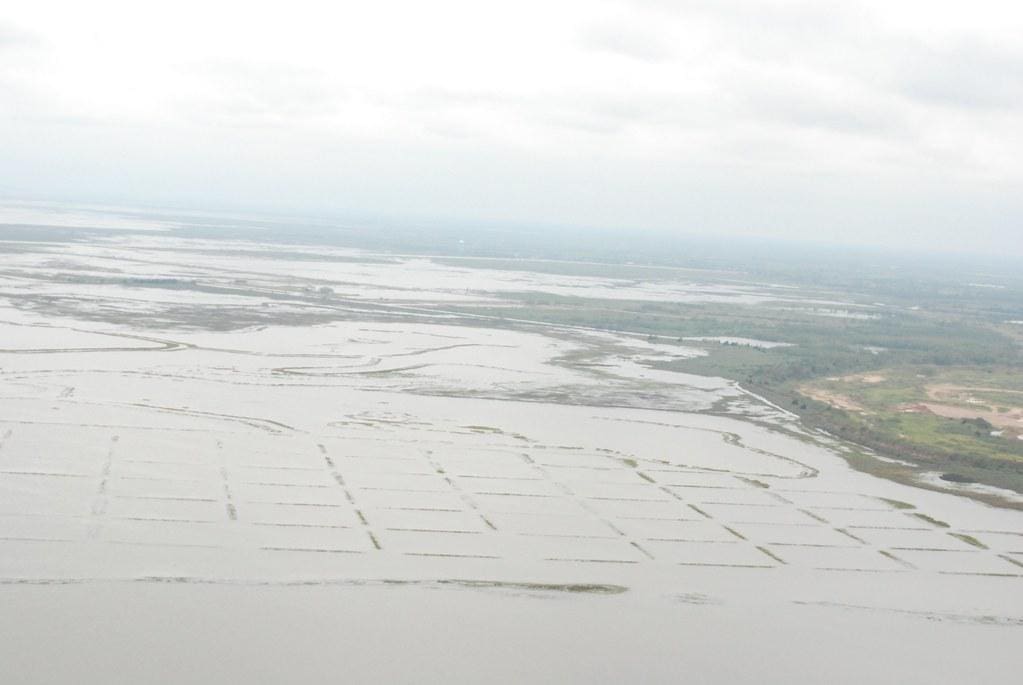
x=868 y=122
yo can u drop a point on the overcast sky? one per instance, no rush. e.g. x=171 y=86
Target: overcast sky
x=882 y=122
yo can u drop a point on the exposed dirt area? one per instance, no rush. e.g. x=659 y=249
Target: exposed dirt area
x=968 y=406
x=833 y=398
x=1011 y=420
x=870 y=378
x=964 y=393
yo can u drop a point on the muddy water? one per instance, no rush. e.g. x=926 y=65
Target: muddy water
x=438 y=503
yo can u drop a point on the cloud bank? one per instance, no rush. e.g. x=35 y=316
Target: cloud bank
x=877 y=122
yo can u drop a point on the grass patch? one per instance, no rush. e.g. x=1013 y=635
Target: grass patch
x=898 y=504
x=969 y=539
x=931 y=520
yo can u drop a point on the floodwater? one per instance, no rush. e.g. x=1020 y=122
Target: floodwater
x=431 y=499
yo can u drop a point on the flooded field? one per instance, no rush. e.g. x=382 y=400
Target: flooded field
x=309 y=458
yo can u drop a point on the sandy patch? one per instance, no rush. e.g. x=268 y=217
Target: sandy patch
x=1011 y=419
x=945 y=394
x=871 y=378
x=833 y=398
x=964 y=393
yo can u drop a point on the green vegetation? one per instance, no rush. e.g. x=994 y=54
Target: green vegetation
x=931 y=520
x=969 y=539
x=898 y=504
x=931 y=416
x=484 y=429
x=911 y=332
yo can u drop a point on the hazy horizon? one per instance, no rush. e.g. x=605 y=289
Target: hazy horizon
x=894 y=125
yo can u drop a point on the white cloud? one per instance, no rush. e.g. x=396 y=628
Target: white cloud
x=651 y=113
